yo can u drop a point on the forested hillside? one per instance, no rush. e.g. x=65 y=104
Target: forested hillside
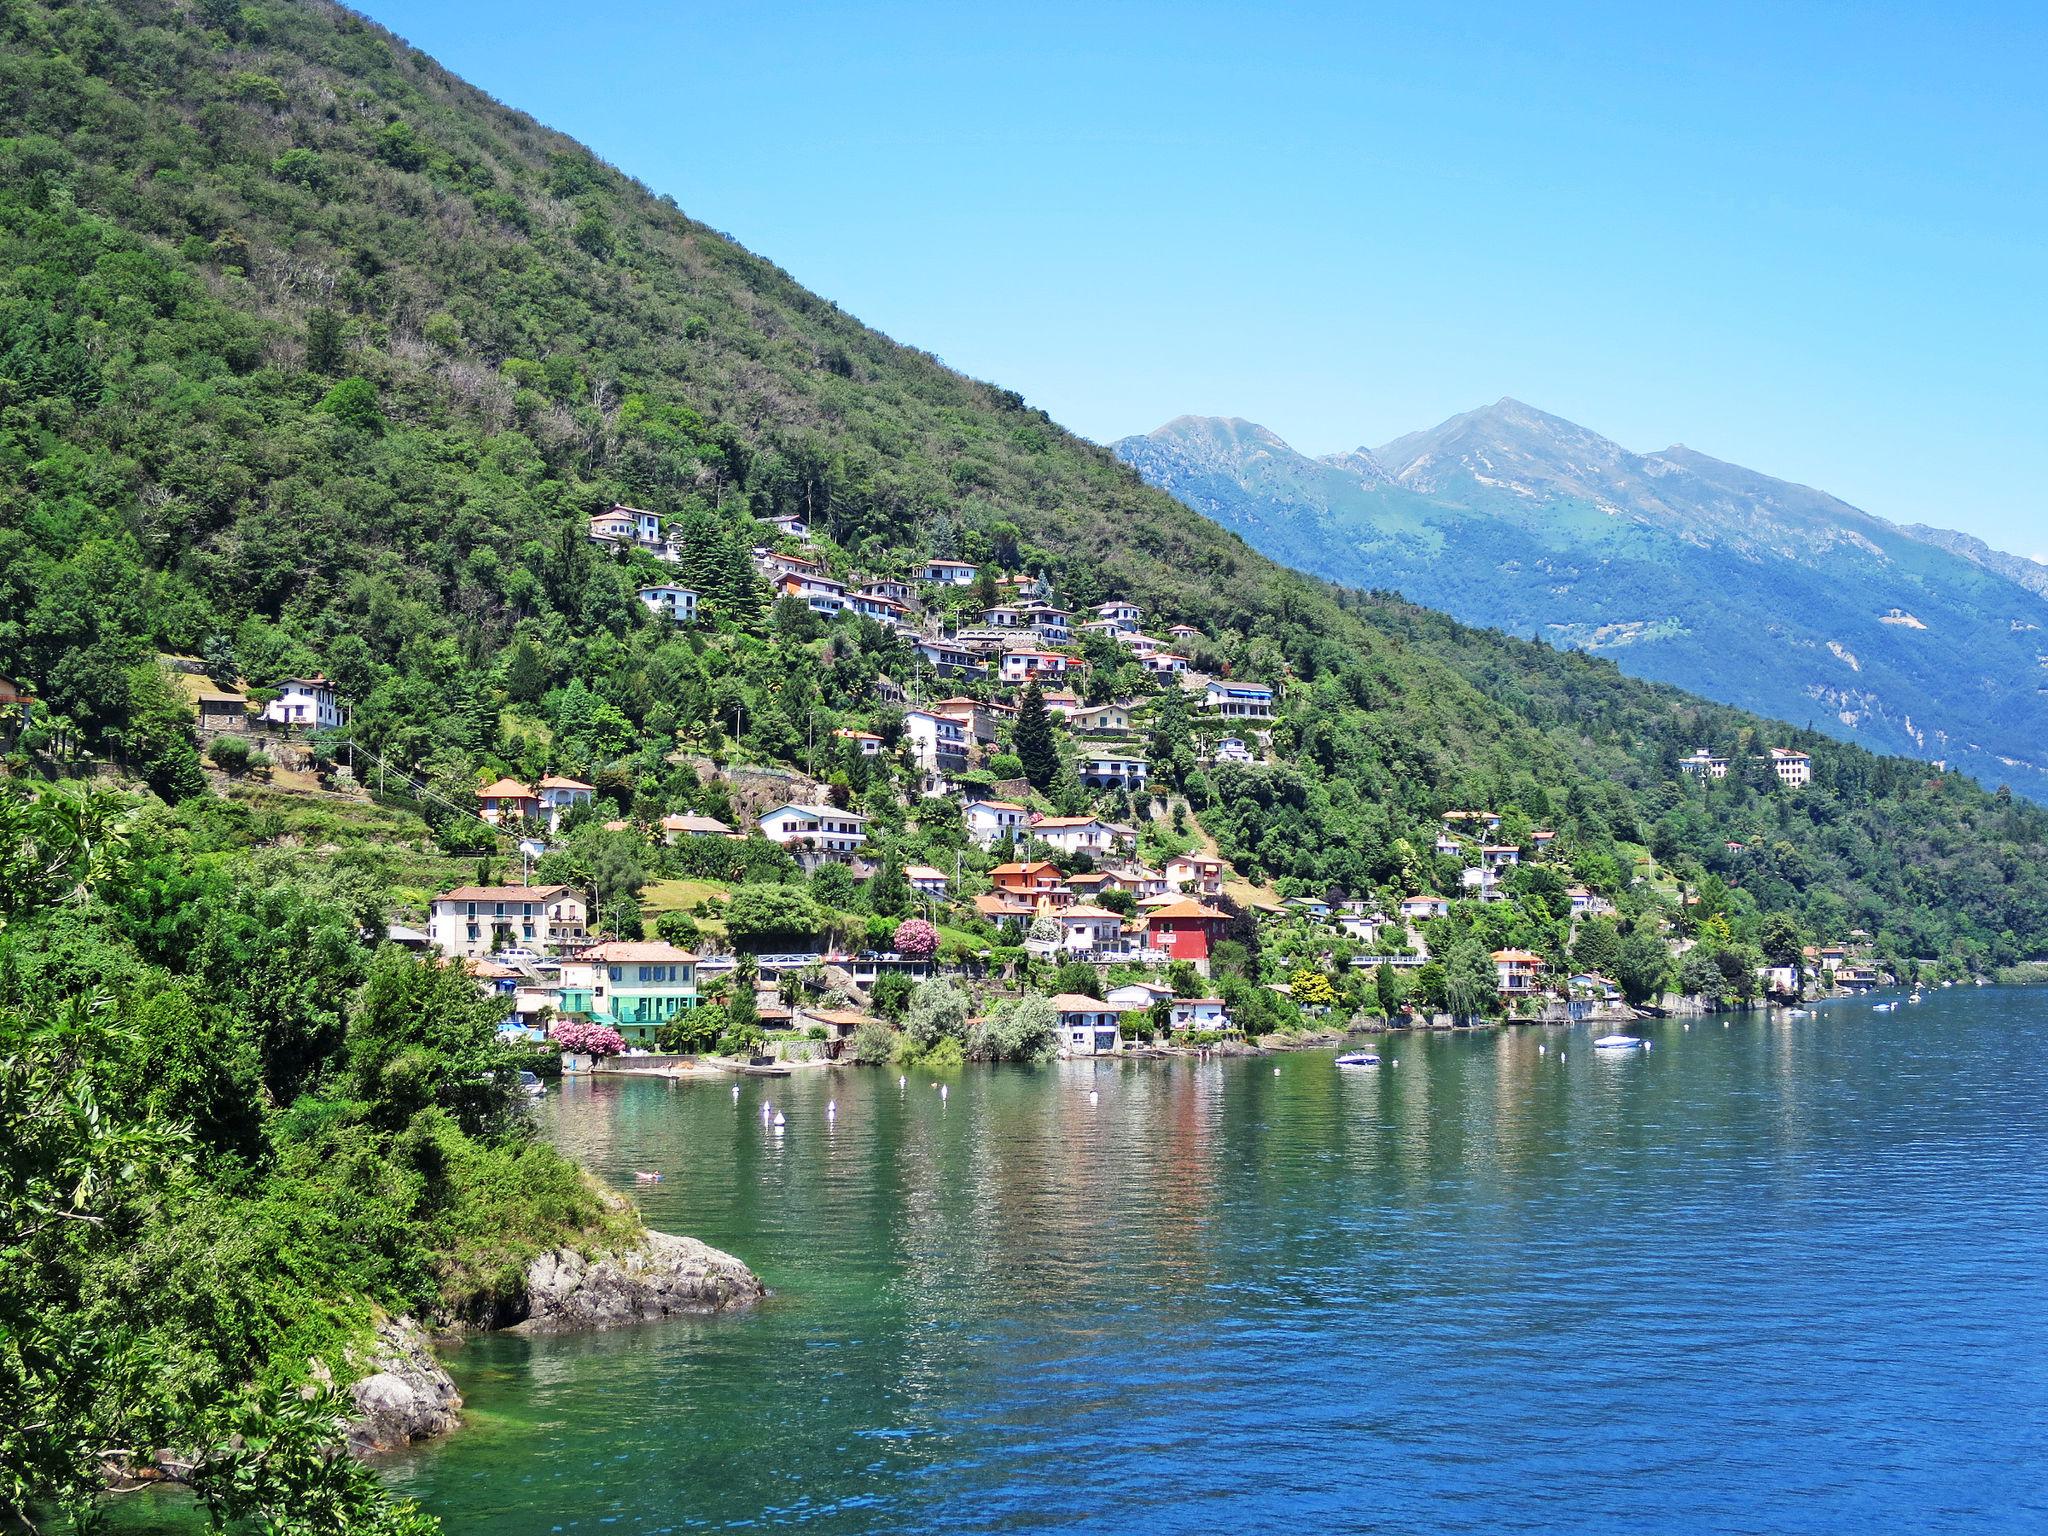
x=315 y=357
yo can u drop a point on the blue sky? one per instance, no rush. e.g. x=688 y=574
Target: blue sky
x=1810 y=238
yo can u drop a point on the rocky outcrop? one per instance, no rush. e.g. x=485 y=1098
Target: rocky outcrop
x=662 y=1276
x=407 y=1396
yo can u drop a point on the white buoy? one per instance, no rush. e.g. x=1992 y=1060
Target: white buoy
x=831 y=1109
x=735 y=1093
x=1094 y=1097
x=779 y=1121
x=902 y=1082
x=1276 y=1071
x=1541 y=1049
x=1397 y=1061
x=942 y=1090
x=766 y=1111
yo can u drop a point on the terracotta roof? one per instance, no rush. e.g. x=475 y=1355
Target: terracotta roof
x=1064 y=821
x=502 y=893
x=1189 y=909
x=505 y=789
x=997 y=805
x=1075 y=1002
x=1000 y=906
x=923 y=872
x=1516 y=957
x=652 y=950
x=690 y=821
x=562 y=781
x=1094 y=912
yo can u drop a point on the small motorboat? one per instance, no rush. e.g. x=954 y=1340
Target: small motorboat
x=1795 y=1013
x=1358 y=1059
x=532 y=1086
x=645 y=1178
x=1620 y=1043
x=1884 y=1007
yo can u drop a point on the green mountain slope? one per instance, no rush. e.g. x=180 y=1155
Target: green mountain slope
x=1687 y=570
x=318 y=356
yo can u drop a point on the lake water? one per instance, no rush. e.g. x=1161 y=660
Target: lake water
x=1770 y=1276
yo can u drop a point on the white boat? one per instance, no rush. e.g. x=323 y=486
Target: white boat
x=1795 y=1013
x=1358 y=1059
x=1884 y=1007
x=1619 y=1043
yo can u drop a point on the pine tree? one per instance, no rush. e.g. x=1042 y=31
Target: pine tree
x=526 y=679
x=1033 y=740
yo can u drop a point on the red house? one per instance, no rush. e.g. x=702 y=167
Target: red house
x=1186 y=930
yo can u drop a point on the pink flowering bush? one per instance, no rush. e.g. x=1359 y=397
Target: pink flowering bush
x=581 y=1039
x=916 y=938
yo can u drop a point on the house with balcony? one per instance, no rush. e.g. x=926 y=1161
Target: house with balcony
x=1231 y=749
x=635 y=987
x=866 y=743
x=1194 y=873
x=938 y=743
x=559 y=795
x=1586 y=904
x=1703 y=764
x=1113 y=719
x=1033 y=882
x=891 y=588
x=1164 y=663
x=994 y=821
x=789 y=525
x=475 y=920
x=307 y=702
x=816 y=833
x=1089 y=930
x=1207 y=1014
x=677 y=604
x=883 y=610
x=925 y=880
x=1121 y=612
x=1519 y=973
x=820 y=594
x=1184 y=633
x=1077 y=834
x=1421 y=909
x=680 y=824
x=1186 y=930
x=1109 y=770
x=949 y=658
x=1090 y=1026
x=1238 y=701
x=1027 y=666
x=507 y=803
x=951 y=573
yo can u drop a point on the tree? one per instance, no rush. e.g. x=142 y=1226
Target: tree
x=890 y=994
x=679 y=929
x=583 y=1039
x=1641 y=965
x=764 y=916
x=1387 y=990
x=1471 y=984
x=353 y=403
x=889 y=893
x=1033 y=741
x=323 y=341
x=1781 y=939
x=938 y=1011
x=1699 y=975
x=916 y=939
x=1078 y=978
x=1312 y=989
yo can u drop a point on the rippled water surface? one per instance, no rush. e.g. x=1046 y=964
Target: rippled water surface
x=1773 y=1276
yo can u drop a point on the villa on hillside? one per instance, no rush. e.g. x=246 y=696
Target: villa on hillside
x=474 y=920
x=1023 y=666
x=951 y=573
x=816 y=833
x=1187 y=930
x=1076 y=834
x=992 y=821
x=1519 y=972
x=507 y=803
x=1420 y=909
x=1089 y=1026
x=1194 y=872
x=1107 y=770
x=679 y=603
x=1794 y=769
x=627 y=525
x=309 y=702
x=560 y=795
x=1100 y=720
x=866 y=743
x=1238 y=701
x=1703 y=764
x=689 y=824
x=950 y=659
x=633 y=987
x=1124 y=615
x=937 y=742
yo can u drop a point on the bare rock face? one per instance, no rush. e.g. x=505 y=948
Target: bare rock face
x=406 y=1397
x=662 y=1277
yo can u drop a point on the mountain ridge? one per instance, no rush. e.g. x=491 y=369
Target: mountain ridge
x=1690 y=569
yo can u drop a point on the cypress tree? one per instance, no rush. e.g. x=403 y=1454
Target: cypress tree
x=1033 y=739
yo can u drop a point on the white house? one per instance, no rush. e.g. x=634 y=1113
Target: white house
x=824 y=831
x=925 y=880
x=866 y=743
x=1106 y=770
x=1089 y=928
x=1704 y=764
x=476 y=919
x=679 y=603
x=951 y=573
x=1231 y=749
x=1074 y=834
x=821 y=594
x=1022 y=666
x=560 y=795
x=949 y=659
x=1139 y=994
x=888 y=587
x=1205 y=1013
x=939 y=744
x=1586 y=904
x=1164 y=663
x=1794 y=769
x=1124 y=615
x=790 y=526
x=1420 y=909
x=1100 y=719
x=1089 y=1026
x=305 y=701
x=1195 y=874
x=1238 y=701
x=626 y=525
x=992 y=821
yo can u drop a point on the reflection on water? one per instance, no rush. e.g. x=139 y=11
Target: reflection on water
x=1780 y=1276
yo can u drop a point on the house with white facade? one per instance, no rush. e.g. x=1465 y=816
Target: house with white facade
x=678 y=603
x=559 y=795
x=951 y=573
x=1238 y=701
x=1420 y=909
x=1231 y=749
x=949 y=658
x=309 y=702
x=1120 y=612
x=937 y=742
x=866 y=743
x=1794 y=769
x=1023 y=666
x=1075 y=834
x=1113 y=719
x=1703 y=764
x=507 y=803
x=816 y=832
x=474 y=920
x=993 y=821
x=1090 y=929
x=1198 y=1013
x=1089 y=1026
x=1109 y=770
x=789 y=525
x=820 y=594
x=890 y=587
x=925 y=880
x=1164 y=663
x=1194 y=874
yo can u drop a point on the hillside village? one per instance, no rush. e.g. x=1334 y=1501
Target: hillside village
x=1000 y=815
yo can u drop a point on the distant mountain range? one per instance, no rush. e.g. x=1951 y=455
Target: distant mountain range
x=1681 y=568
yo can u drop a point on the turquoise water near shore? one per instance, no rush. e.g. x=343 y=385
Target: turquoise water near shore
x=1773 y=1275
